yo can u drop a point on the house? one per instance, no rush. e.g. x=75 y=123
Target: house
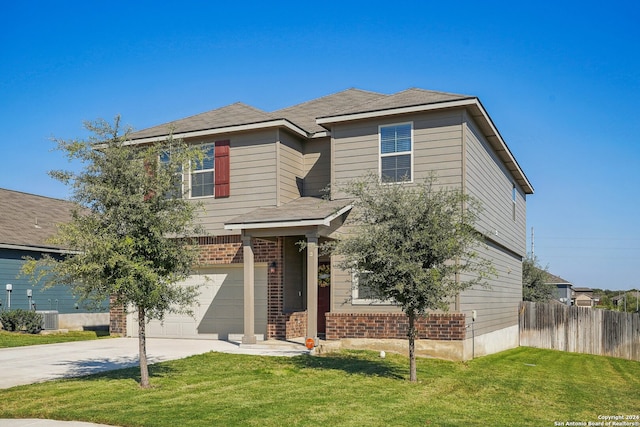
x=262 y=186
x=563 y=288
x=27 y=221
x=583 y=297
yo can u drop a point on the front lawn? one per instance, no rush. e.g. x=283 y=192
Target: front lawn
x=17 y=339
x=524 y=386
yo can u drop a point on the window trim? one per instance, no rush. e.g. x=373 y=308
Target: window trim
x=204 y=146
x=181 y=189
x=356 y=300
x=410 y=152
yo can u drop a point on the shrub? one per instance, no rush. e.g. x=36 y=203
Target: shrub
x=21 y=321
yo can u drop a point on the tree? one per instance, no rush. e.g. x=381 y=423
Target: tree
x=534 y=281
x=129 y=239
x=413 y=244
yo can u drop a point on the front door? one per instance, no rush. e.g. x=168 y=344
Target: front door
x=324 y=295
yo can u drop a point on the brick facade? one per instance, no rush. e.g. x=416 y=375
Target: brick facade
x=445 y=327
x=296 y=325
x=117 y=318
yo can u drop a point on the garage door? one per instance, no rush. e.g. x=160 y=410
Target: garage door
x=220 y=308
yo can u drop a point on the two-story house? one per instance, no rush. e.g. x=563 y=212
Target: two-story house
x=262 y=186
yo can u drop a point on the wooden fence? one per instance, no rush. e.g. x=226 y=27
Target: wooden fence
x=580 y=330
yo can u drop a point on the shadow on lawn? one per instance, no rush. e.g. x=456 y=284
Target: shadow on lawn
x=351 y=364
x=120 y=368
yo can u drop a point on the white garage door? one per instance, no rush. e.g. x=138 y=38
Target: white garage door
x=220 y=308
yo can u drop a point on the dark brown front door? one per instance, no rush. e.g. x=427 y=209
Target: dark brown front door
x=324 y=296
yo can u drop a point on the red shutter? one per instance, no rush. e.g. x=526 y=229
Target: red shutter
x=221 y=181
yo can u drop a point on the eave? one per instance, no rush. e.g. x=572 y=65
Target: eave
x=279 y=123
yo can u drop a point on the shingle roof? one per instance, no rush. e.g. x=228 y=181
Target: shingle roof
x=552 y=278
x=301 y=209
x=29 y=220
x=407 y=98
x=231 y=115
x=305 y=114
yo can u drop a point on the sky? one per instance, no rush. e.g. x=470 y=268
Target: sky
x=560 y=79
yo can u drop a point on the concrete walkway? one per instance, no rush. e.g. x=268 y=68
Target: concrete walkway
x=33 y=364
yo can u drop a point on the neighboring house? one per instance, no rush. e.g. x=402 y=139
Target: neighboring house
x=563 y=288
x=583 y=297
x=262 y=185
x=27 y=222
x=623 y=299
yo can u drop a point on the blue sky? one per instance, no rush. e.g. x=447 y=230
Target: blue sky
x=561 y=81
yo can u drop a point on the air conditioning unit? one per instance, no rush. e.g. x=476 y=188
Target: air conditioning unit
x=49 y=319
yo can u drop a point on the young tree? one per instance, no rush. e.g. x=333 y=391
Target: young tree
x=414 y=245
x=534 y=281
x=130 y=239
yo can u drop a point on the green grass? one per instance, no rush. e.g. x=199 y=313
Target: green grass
x=16 y=339
x=523 y=387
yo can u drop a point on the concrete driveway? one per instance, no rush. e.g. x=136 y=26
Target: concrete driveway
x=33 y=364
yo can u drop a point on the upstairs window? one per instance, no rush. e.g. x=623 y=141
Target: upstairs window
x=206 y=177
x=202 y=173
x=177 y=190
x=396 y=153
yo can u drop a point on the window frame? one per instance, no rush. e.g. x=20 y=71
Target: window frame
x=204 y=146
x=397 y=153
x=355 y=297
x=162 y=163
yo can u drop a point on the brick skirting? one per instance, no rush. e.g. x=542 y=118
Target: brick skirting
x=445 y=327
x=296 y=325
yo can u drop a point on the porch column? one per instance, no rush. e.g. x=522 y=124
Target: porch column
x=312 y=287
x=249 y=336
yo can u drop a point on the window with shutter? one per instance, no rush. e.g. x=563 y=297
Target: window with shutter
x=202 y=173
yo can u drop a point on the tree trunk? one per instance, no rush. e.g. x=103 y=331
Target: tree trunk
x=413 y=376
x=142 y=348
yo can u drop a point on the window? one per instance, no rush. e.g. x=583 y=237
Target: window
x=177 y=190
x=207 y=177
x=202 y=173
x=396 y=153
x=361 y=294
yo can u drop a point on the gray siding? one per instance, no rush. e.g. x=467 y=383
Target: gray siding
x=317 y=166
x=488 y=180
x=252 y=179
x=290 y=168
x=437 y=145
x=496 y=305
